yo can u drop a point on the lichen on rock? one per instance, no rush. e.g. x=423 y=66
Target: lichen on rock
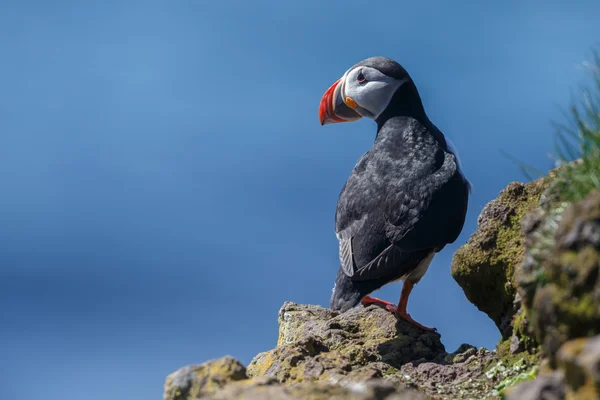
x=316 y=343
x=365 y=353
x=196 y=381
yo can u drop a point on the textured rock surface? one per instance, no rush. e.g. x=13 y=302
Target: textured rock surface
x=579 y=360
x=484 y=267
x=559 y=279
x=576 y=378
x=545 y=387
x=269 y=389
x=364 y=353
x=196 y=381
x=316 y=343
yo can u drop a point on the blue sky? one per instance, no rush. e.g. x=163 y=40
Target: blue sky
x=166 y=184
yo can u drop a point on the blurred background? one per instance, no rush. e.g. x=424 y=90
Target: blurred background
x=165 y=184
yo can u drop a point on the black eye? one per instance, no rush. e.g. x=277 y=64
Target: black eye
x=361 y=78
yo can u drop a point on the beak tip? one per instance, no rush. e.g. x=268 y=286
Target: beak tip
x=326 y=107
x=322 y=113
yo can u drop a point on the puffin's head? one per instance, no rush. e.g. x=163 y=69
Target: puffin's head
x=365 y=90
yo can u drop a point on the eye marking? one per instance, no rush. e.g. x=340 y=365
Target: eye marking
x=361 y=78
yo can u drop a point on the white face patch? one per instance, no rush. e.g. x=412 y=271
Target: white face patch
x=374 y=94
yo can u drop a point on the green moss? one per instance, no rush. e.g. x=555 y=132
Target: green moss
x=560 y=287
x=521 y=329
x=523 y=358
x=578 y=269
x=503 y=349
x=485 y=266
x=519 y=323
x=392 y=372
x=578 y=316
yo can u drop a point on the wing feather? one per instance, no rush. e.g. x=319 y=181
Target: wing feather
x=346 y=258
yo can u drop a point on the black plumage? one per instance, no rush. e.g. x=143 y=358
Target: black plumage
x=405 y=200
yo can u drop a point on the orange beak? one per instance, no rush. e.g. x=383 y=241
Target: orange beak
x=333 y=108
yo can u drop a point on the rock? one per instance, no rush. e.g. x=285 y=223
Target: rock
x=196 y=381
x=544 y=387
x=580 y=361
x=465 y=379
x=517 y=345
x=268 y=389
x=318 y=344
x=485 y=265
x=559 y=280
x=364 y=353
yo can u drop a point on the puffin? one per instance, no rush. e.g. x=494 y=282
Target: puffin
x=406 y=197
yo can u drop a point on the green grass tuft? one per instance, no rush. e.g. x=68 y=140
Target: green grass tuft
x=579 y=140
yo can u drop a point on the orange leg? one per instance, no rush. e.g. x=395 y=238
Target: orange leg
x=400 y=311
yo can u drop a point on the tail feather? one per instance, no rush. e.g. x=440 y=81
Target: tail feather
x=348 y=293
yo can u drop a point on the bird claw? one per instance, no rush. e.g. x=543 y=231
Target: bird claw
x=406 y=316
x=391 y=307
